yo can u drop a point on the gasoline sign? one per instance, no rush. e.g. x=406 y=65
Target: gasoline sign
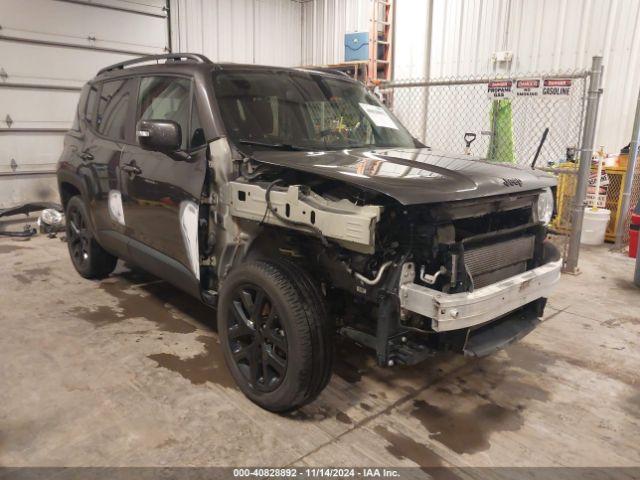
x=557 y=87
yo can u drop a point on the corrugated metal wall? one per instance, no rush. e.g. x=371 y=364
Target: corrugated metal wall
x=265 y=32
x=544 y=35
x=324 y=23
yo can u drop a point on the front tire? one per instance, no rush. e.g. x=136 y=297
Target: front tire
x=274 y=338
x=88 y=257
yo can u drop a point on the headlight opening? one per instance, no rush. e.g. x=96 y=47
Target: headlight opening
x=545 y=206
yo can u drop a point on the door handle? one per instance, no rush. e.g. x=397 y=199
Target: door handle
x=86 y=156
x=131 y=168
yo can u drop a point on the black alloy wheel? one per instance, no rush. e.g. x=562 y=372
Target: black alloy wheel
x=257 y=338
x=78 y=237
x=275 y=333
x=87 y=256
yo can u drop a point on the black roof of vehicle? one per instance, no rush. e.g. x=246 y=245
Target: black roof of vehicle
x=186 y=62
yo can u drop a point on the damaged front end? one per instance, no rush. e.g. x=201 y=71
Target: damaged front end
x=469 y=277
x=407 y=281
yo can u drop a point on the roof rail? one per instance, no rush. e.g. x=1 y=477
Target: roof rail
x=169 y=57
x=335 y=71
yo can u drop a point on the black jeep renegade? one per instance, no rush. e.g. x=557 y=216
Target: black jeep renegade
x=296 y=204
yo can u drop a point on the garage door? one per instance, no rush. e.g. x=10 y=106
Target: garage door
x=49 y=48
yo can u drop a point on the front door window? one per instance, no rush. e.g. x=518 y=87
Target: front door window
x=166 y=98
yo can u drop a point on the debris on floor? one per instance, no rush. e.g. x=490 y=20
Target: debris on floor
x=50 y=221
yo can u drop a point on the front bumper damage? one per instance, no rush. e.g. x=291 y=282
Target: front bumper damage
x=487 y=319
x=470 y=309
x=474 y=323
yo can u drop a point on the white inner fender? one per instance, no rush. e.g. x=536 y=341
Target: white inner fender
x=189 y=227
x=115 y=206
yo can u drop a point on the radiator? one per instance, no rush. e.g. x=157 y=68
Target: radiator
x=491 y=263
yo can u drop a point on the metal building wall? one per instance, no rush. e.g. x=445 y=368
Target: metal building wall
x=324 y=23
x=265 y=32
x=544 y=35
x=49 y=49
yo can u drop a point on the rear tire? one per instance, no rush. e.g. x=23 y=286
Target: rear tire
x=274 y=333
x=88 y=257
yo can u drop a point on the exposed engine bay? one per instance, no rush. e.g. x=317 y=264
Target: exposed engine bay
x=361 y=244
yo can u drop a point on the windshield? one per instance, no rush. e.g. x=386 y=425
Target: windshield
x=301 y=110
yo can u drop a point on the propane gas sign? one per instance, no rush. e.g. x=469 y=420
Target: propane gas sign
x=499 y=89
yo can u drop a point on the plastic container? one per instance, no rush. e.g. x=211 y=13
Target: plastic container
x=594 y=226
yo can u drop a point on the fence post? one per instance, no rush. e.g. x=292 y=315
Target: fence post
x=628 y=179
x=586 y=151
x=427 y=71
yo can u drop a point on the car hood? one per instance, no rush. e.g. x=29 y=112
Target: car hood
x=413 y=176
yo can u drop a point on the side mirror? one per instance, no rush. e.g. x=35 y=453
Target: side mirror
x=159 y=135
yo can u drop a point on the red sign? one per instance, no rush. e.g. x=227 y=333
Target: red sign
x=500 y=89
x=557 y=87
x=535 y=83
x=529 y=87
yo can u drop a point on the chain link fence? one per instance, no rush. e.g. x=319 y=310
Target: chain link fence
x=502 y=120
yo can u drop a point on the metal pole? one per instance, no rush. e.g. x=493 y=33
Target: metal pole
x=628 y=179
x=586 y=151
x=427 y=70
x=169 y=33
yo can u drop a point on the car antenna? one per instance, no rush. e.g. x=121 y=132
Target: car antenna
x=542 y=140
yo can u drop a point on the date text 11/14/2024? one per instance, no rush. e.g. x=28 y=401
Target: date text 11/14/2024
x=318 y=472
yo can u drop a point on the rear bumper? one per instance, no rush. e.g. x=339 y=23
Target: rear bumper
x=463 y=310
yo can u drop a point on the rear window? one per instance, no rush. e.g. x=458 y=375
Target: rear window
x=80 y=109
x=90 y=106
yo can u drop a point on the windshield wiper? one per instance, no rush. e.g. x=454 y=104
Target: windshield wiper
x=280 y=146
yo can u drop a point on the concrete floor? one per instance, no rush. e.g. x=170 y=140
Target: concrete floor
x=128 y=372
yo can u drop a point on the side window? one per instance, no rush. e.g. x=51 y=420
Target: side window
x=166 y=98
x=197 y=133
x=80 y=108
x=90 y=106
x=113 y=107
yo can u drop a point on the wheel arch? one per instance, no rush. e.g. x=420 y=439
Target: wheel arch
x=67 y=190
x=70 y=185
x=279 y=243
